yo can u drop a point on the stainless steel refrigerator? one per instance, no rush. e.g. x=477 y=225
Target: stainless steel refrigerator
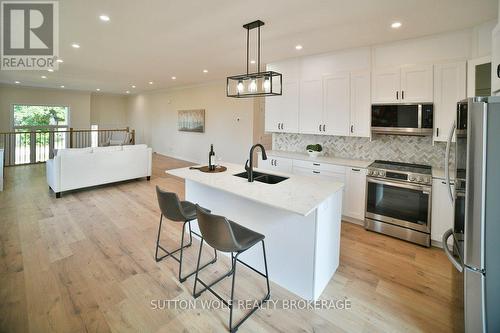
x=476 y=199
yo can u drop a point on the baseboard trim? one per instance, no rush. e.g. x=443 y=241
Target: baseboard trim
x=353 y=220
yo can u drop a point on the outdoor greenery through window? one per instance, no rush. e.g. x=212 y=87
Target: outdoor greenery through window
x=37 y=126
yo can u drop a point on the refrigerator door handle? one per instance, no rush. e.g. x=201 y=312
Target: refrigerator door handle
x=447 y=161
x=446 y=249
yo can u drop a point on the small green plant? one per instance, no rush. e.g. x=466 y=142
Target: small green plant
x=317 y=147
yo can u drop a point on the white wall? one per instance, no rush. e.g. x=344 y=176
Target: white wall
x=78 y=102
x=108 y=110
x=228 y=122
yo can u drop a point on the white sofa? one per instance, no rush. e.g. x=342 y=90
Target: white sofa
x=76 y=168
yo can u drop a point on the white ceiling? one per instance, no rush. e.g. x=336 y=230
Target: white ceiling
x=153 y=40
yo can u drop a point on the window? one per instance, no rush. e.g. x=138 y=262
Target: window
x=36 y=127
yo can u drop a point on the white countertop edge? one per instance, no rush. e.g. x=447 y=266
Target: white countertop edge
x=326 y=159
x=339 y=186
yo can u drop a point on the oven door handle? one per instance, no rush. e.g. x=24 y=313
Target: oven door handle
x=447 y=161
x=446 y=249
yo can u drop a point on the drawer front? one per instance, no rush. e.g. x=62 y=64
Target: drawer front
x=319 y=166
x=338 y=177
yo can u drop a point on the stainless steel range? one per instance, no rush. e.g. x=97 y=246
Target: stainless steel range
x=398 y=200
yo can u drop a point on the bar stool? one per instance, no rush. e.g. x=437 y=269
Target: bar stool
x=227 y=236
x=179 y=211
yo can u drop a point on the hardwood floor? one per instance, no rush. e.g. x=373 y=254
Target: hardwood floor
x=85 y=263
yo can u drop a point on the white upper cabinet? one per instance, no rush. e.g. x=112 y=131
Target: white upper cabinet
x=360 y=104
x=408 y=84
x=416 y=84
x=311 y=107
x=449 y=88
x=386 y=85
x=282 y=112
x=336 y=101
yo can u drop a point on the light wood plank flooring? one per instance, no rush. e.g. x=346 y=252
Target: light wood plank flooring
x=84 y=263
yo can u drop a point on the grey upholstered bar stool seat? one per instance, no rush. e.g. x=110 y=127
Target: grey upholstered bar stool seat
x=228 y=236
x=179 y=211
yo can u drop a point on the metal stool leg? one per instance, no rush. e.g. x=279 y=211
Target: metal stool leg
x=158 y=246
x=234 y=260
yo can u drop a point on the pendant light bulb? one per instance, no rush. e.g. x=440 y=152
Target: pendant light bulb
x=267 y=84
x=252 y=87
x=240 y=86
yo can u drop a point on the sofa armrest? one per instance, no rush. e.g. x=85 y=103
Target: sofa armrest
x=53 y=172
x=150 y=161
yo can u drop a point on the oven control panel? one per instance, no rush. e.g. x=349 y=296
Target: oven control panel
x=401 y=176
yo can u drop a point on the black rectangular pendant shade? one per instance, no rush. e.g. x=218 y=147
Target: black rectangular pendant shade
x=259 y=84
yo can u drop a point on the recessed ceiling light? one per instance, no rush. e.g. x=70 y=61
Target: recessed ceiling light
x=150 y=82
x=298 y=47
x=50 y=70
x=396 y=25
x=127 y=92
x=205 y=71
x=173 y=78
x=17 y=82
x=60 y=61
x=104 y=18
x=75 y=46
x=98 y=89
x=43 y=77
x=252 y=61
x=133 y=86
x=62 y=86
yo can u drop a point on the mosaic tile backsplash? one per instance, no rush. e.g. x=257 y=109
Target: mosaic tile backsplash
x=409 y=149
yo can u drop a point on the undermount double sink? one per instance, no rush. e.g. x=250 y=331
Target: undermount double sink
x=262 y=177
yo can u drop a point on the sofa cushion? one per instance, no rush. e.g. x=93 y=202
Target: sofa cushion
x=72 y=151
x=107 y=148
x=141 y=146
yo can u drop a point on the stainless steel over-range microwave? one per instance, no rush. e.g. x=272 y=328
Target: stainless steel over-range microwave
x=402 y=119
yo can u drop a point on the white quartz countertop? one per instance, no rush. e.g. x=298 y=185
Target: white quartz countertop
x=297 y=194
x=324 y=159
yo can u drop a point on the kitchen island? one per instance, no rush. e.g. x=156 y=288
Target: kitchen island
x=300 y=218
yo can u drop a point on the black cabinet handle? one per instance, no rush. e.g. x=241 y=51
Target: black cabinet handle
x=402 y=94
x=282 y=126
x=316 y=164
x=352 y=128
x=317 y=172
x=437 y=131
x=320 y=127
x=357 y=170
x=498 y=71
x=397 y=94
x=324 y=128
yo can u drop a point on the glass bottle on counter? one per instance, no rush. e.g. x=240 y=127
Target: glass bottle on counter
x=211 y=158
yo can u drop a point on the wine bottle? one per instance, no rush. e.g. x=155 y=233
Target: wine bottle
x=211 y=156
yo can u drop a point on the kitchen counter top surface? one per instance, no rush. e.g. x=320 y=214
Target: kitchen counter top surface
x=325 y=159
x=297 y=194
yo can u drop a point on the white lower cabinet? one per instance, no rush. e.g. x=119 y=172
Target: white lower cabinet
x=355 y=192
x=276 y=164
x=354 y=179
x=442 y=210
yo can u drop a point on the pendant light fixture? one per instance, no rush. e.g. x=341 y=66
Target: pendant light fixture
x=258 y=84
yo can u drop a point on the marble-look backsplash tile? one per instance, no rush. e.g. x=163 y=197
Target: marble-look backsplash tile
x=409 y=149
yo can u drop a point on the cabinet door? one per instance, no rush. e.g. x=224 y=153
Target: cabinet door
x=442 y=210
x=449 y=88
x=386 y=85
x=275 y=163
x=417 y=84
x=289 y=113
x=273 y=111
x=360 y=104
x=336 y=99
x=355 y=191
x=311 y=107
x=495 y=61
